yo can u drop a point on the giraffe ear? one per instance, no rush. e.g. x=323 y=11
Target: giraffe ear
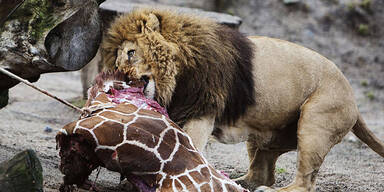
x=153 y=23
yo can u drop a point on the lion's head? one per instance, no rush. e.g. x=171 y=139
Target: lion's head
x=135 y=45
x=193 y=66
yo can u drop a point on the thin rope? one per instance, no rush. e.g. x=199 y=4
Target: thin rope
x=40 y=90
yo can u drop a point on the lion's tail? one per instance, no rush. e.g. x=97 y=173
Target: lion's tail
x=364 y=134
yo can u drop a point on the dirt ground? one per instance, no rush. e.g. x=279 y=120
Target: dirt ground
x=350 y=166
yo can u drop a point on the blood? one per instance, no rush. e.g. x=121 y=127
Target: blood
x=135 y=96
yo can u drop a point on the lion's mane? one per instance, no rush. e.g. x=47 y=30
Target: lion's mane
x=211 y=74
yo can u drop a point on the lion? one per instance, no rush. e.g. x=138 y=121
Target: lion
x=275 y=95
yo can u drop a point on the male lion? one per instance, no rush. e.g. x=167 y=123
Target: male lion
x=276 y=95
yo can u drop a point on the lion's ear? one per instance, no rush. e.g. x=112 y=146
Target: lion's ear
x=153 y=23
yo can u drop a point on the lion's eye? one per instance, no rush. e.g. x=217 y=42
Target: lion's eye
x=130 y=54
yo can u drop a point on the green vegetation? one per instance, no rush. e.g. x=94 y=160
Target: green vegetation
x=351 y=6
x=280 y=170
x=370 y=95
x=236 y=175
x=363 y=29
x=364 y=83
x=364 y=4
x=78 y=102
x=37 y=16
x=230 y=11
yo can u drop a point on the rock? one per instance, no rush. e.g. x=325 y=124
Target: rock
x=208 y=5
x=6 y=9
x=111 y=8
x=47 y=129
x=289 y=2
x=352 y=139
x=3 y=98
x=21 y=173
x=42 y=36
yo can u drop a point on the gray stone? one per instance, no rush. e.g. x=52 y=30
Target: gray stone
x=112 y=7
x=7 y=8
x=288 y=2
x=21 y=173
x=40 y=36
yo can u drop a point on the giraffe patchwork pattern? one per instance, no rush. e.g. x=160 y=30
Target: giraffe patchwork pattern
x=128 y=134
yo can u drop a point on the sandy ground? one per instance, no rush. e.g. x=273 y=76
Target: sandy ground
x=350 y=166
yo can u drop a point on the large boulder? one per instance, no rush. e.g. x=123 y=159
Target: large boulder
x=21 y=173
x=111 y=8
x=40 y=36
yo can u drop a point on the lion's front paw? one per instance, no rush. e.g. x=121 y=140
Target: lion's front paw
x=290 y=188
x=66 y=188
x=247 y=183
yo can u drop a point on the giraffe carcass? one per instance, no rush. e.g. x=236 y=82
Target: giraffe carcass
x=127 y=133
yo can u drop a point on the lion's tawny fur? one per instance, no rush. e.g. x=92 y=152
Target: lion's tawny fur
x=212 y=61
x=280 y=96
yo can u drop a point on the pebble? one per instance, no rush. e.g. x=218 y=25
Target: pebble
x=291 y=1
x=47 y=129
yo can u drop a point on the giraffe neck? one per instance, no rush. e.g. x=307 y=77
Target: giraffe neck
x=118 y=91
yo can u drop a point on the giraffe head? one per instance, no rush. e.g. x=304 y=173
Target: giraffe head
x=78 y=158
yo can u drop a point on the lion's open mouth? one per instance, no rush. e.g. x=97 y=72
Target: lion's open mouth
x=135 y=95
x=145 y=79
x=149 y=87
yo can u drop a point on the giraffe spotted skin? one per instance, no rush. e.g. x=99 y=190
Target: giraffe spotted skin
x=136 y=138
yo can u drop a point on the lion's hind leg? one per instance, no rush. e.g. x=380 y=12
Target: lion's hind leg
x=322 y=124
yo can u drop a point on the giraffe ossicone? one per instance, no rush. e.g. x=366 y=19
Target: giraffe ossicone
x=127 y=133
